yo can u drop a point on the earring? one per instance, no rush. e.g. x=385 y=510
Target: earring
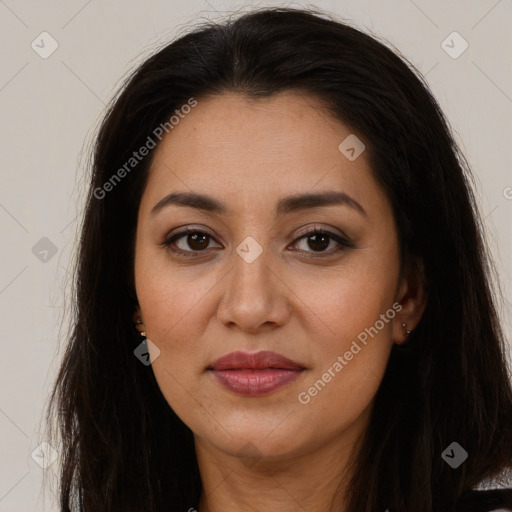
x=405 y=329
x=142 y=332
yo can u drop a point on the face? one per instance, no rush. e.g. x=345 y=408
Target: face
x=242 y=270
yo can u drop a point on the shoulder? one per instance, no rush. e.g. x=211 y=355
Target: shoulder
x=486 y=500
x=489 y=495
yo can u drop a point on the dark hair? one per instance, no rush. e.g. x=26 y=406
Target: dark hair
x=123 y=447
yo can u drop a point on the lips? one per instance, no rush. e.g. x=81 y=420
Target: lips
x=258 y=361
x=254 y=374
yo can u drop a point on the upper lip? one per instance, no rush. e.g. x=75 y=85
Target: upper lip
x=257 y=361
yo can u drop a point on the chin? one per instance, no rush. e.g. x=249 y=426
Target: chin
x=262 y=437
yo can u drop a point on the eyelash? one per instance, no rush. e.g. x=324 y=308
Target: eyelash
x=344 y=243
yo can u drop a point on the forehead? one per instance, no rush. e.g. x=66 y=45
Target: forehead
x=244 y=129
x=259 y=148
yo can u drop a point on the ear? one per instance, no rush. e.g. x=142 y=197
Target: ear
x=412 y=296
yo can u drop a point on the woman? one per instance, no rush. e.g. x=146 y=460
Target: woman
x=283 y=297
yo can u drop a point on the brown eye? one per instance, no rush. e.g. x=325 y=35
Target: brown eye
x=188 y=242
x=197 y=241
x=317 y=241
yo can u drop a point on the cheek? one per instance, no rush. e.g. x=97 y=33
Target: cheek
x=349 y=300
x=354 y=325
x=173 y=299
x=176 y=306
x=173 y=308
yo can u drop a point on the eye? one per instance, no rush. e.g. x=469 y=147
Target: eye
x=319 y=240
x=195 y=239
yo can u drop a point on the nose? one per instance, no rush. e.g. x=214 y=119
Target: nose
x=255 y=296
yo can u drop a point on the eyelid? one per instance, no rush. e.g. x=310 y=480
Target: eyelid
x=319 y=229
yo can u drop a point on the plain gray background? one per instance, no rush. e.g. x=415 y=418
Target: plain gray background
x=50 y=108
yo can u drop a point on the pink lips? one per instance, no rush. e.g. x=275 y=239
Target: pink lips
x=255 y=374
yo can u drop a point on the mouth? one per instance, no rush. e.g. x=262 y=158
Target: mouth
x=255 y=374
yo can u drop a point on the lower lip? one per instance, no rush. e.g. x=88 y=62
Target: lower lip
x=255 y=382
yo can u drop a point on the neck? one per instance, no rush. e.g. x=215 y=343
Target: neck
x=313 y=481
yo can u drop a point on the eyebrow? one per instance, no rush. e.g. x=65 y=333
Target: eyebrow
x=286 y=205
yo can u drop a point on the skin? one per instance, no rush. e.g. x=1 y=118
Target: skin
x=270 y=452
